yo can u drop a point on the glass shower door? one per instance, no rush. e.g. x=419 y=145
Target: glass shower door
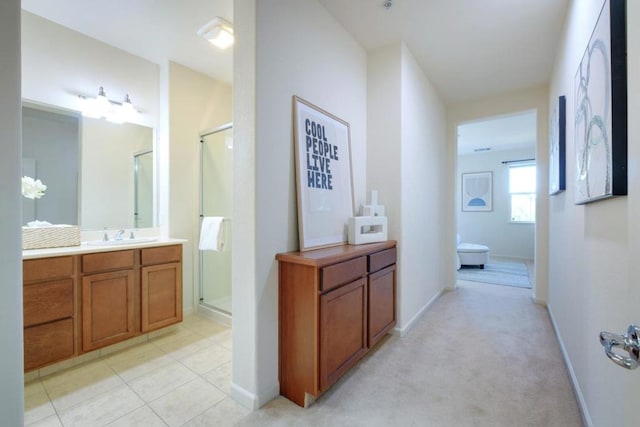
x=216 y=200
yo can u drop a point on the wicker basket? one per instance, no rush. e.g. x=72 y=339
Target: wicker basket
x=56 y=236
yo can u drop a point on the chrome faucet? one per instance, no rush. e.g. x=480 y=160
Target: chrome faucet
x=119 y=235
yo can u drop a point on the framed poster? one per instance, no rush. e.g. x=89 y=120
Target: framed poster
x=324 y=184
x=558 y=148
x=477 y=192
x=600 y=90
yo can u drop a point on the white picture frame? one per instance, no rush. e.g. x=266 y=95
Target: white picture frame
x=477 y=192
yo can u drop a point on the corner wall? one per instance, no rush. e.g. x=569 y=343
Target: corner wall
x=523 y=100
x=298 y=49
x=406 y=149
x=593 y=248
x=11 y=358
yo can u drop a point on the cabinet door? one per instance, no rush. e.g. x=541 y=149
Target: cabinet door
x=343 y=330
x=161 y=295
x=107 y=308
x=382 y=303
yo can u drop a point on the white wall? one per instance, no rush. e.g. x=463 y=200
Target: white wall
x=494 y=228
x=196 y=103
x=406 y=148
x=59 y=64
x=300 y=50
x=11 y=359
x=523 y=100
x=593 y=266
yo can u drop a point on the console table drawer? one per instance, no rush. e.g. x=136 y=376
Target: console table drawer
x=342 y=273
x=382 y=259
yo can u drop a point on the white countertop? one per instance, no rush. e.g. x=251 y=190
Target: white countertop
x=84 y=248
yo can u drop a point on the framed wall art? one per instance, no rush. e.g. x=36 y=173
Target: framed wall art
x=323 y=175
x=558 y=147
x=600 y=90
x=477 y=192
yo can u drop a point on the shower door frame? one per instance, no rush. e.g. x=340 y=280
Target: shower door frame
x=203 y=135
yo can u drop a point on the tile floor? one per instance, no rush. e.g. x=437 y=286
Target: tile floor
x=181 y=378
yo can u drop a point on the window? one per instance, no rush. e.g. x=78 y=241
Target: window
x=522 y=192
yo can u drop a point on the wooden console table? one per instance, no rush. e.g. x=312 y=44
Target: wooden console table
x=335 y=304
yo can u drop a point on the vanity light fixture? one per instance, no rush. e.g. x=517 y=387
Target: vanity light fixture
x=102 y=107
x=218 y=32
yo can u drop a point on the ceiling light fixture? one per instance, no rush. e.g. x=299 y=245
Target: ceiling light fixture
x=387 y=4
x=102 y=107
x=218 y=32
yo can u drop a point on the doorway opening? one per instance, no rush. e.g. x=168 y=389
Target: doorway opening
x=496 y=193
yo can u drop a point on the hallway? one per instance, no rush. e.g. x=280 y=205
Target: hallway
x=483 y=355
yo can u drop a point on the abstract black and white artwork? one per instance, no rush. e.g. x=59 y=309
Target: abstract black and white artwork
x=601 y=109
x=557 y=148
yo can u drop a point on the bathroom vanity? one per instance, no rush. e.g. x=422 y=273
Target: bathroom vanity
x=335 y=304
x=83 y=298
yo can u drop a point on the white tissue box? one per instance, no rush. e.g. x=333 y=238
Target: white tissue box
x=55 y=236
x=367 y=229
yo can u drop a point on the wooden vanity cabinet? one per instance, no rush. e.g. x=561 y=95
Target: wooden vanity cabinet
x=49 y=311
x=108 y=298
x=161 y=277
x=334 y=305
x=79 y=303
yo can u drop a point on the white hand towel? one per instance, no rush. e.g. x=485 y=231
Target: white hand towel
x=212 y=234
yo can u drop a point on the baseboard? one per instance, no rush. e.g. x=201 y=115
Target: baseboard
x=540 y=301
x=577 y=391
x=253 y=401
x=404 y=330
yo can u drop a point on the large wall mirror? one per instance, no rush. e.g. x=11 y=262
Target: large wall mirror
x=98 y=174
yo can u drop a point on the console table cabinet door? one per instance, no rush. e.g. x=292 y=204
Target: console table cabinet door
x=161 y=295
x=107 y=308
x=343 y=330
x=382 y=303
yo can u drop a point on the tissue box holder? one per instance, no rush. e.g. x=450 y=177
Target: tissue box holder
x=50 y=237
x=367 y=229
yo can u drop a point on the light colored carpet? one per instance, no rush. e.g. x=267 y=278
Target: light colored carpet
x=499 y=273
x=481 y=356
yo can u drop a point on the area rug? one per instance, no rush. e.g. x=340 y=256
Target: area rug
x=499 y=273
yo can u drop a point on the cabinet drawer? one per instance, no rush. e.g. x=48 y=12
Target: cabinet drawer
x=47 y=268
x=382 y=259
x=44 y=302
x=161 y=255
x=48 y=343
x=344 y=272
x=105 y=261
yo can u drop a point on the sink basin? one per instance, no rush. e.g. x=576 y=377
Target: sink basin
x=122 y=242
